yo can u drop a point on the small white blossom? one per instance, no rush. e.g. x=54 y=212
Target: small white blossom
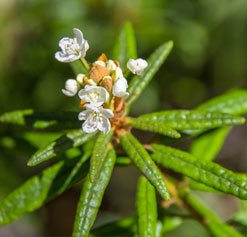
x=72 y=49
x=96 y=118
x=137 y=66
x=96 y=95
x=120 y=87
x=111 y=66
x=71 y=87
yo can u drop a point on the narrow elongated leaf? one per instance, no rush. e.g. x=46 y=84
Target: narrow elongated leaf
x=123 y=161
x=125 y=47
x=208 y=173
x=154 y=126
x=233 y=102
x=91 y=196
x=185 y=119
x=146 y=208
x=209 y=218
x=71 y=139
x=99 y=154
x=42 y=120
x=40 y=188
x=208 y=145
x=144 y=162
x=138 y=83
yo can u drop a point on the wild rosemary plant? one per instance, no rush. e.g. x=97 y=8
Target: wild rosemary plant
x=102 y=130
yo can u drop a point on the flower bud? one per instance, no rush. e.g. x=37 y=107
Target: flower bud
x=106 y=82
x=137 y=66
x=101 y=63
x=111 y=66
x=120 y=87
x=71 y=87
x=80 y=78
x=117 y=74
x=97 y=72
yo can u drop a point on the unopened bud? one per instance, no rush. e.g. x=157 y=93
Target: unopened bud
x=71 y=87
x=97 y=73
x=106 y=82
x=79 y=78
x=110 y=65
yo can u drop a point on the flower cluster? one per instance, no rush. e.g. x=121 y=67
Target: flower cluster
x=98 y=90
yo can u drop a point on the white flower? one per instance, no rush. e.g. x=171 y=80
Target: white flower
x=137 y=66
x=120 y=87
x=97 y=118
x=96 y=95
x=71 y=87
x=72 y=49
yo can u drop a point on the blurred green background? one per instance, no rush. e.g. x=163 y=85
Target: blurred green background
x=209 y=57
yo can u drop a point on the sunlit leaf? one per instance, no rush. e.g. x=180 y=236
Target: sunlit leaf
x=154 y=126
x=233 y=102
x=186 y=119
x=71 y=139
x=146 y=208
x=143 y=161
x=91 y=196
x=42 y=187
x=206 y=172
x=99 y=154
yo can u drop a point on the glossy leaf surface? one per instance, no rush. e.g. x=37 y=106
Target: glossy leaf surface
x=91 y=196
x=71 y=139
x=146 y=208
x=208 y=173
x=143 y=161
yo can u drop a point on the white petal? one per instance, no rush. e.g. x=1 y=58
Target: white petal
x=78 y=36
x=92 y=107
x=120 y=87
x=88 y=126
x=65 y=41
x=106 y=112
x=68 y=93
x=84 y=115
x=105 y=125
x=60 y=56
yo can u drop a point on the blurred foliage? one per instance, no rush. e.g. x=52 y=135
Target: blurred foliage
x=209 y=57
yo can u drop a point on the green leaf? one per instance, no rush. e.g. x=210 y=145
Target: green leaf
x=99 y=154
x=233 y=102
x=71 y=139
x=146 y=208
x=154 y=126
x=91 y=196
x=79 y=66
x=40 y=188
x=206 y=172
x=138 y=83
x=185 y=119
x=209 y=218
x=123 y=227
x=123 y=161
x=171 y=223
x=144 y=162
x=125 y=47
x=208 y=145
x=42 y=120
